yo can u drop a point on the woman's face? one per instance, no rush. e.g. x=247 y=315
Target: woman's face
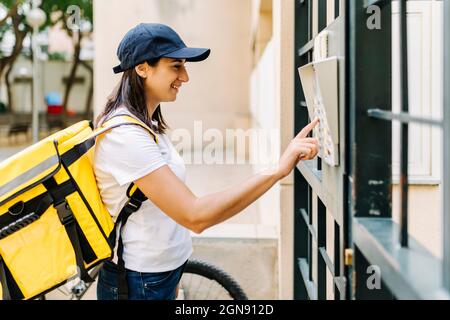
x=164 y=80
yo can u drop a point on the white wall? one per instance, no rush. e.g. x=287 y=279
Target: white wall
x=265 y=115
x=425 y=21
x=272 y=107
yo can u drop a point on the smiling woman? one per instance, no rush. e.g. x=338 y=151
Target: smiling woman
x=139 y=171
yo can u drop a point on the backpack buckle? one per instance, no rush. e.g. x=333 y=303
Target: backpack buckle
x=133 y=204
x=64 y=212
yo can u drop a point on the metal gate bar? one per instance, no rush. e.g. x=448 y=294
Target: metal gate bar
x=314 y=204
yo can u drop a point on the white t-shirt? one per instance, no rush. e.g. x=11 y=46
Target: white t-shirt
x=153 y=242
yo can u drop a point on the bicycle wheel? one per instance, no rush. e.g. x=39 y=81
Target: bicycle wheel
x=203 y=281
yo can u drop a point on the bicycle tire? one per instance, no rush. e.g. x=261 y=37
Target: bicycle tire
x=214 y=273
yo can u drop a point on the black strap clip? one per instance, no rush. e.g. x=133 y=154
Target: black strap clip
x=133 y=204
x=64 y=213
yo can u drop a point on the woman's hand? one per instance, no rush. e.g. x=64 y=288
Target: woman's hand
x=300 y=148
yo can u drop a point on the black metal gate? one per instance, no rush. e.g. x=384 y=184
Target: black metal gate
x=344 y=233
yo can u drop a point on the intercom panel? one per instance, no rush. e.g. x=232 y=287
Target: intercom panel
x=320 y=85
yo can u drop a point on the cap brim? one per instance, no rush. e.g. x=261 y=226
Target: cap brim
x=118 y=69
x=190 y=54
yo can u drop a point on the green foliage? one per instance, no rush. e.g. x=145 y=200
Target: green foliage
x=19 y=18
x=63 y=6
x=68 y=10
x=52 y=6
x=57 y=56
x=9 y=3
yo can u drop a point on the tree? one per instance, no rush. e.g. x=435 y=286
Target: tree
x=72 y=14
x=15 y=20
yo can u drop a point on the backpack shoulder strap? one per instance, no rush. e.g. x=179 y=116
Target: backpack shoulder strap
x=118 y=121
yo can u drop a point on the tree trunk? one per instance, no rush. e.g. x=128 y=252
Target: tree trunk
x=13 y=12
x=73 y=72
x=12 y=59
x=88 y=105
x=8 y=62
x=8 y=86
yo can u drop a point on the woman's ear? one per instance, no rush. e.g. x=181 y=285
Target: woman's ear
x=142 y=69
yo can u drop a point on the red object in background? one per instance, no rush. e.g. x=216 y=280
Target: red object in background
x=54 y=109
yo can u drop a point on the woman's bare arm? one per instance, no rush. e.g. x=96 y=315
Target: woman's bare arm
x=174 y=198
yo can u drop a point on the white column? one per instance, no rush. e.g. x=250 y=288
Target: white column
x=283 y=37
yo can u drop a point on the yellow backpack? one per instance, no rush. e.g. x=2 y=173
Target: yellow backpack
x=53 y=223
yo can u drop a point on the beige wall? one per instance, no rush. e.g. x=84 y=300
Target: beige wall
x=262 y=25
x=274 y=56
x=284 y=62
x=425 y=215
x=218 y=89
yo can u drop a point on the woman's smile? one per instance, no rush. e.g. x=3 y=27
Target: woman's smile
x=176 y=87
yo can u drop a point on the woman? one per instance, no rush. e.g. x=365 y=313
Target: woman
x=156 y=238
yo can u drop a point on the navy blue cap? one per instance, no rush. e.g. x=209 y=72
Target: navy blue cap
x=149 y=41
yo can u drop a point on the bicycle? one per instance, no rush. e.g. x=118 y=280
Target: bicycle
x=200 y=281
x=221 y=285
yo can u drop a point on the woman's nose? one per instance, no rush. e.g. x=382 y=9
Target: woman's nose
x=184 y=75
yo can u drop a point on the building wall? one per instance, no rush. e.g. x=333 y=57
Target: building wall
x=424 y=215
x=52 y=75
x=272 y=100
